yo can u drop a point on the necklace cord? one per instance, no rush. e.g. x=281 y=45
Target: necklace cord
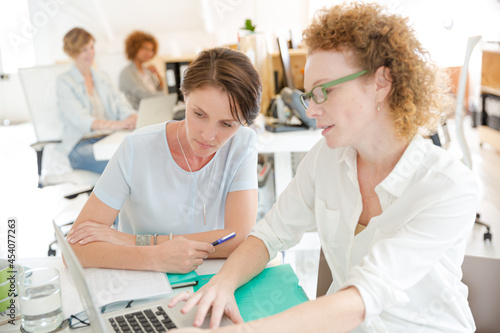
x=192 y=176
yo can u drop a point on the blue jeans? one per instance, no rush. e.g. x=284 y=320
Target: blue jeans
x=82 y=156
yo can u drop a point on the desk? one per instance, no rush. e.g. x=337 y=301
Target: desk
x=71 y=300
x=280 y=144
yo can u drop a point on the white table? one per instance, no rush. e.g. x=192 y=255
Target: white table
x=71 y=300
x=282 y=145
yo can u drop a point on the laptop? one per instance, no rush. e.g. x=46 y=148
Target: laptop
x=150 y=317
x=157 y=109
x=482 y=276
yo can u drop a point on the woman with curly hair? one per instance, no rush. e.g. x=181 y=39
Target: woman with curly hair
x=392 y=211
x=136 y=80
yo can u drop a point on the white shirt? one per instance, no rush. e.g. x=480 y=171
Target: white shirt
x=407 y=262
x=75 y=105
x=155 y=195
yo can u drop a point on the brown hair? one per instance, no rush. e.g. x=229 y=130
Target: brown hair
x=376 y=39
x=135 y=41
x=75 y=40
x=231 y=71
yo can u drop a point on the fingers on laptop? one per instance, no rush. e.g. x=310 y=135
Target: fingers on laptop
x=179 y=298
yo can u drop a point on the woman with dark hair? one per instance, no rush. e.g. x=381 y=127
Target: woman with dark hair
x=393 y=212
x=136 y=80
x=89 y=105
x=178 y=186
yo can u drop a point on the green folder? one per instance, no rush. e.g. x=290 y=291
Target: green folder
x=274 y=290
x=179 y=280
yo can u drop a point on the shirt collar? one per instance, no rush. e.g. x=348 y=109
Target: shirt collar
x=399 y=178
x=349 y=157
x=77 y=75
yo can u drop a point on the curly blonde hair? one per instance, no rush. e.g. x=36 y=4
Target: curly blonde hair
x=376 y=39
x=134 y=42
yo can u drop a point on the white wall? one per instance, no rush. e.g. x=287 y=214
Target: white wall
x=186 y=27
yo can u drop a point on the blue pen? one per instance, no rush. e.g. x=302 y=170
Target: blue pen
x=223 y=239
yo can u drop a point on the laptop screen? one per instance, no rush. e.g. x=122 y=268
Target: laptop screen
x=76 y=271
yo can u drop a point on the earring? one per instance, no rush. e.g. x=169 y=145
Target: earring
x=378 y=108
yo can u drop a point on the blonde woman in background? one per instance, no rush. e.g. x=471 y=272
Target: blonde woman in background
x=89 y=105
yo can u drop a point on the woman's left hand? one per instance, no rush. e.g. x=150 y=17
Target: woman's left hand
x=153 y=69
x=129 y=122
x=89 y=231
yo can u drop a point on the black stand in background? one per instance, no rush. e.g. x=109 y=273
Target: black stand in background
x=487 y=235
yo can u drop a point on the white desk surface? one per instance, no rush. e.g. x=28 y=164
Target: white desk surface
x=105 y=148
x=70 y=298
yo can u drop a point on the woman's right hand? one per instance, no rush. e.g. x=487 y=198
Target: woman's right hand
x=217 y=294
x=181 y=255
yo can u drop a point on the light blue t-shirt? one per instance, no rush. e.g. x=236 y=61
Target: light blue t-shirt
x=155 y=196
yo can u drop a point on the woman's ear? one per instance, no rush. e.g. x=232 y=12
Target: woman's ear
x=383 y=83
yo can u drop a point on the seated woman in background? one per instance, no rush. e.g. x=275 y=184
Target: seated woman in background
x=137 y=81
x=195 y=179
x=89 y=105
x=393 y=212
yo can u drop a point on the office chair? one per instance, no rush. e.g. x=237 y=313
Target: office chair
x=481 y=275
x=39 y=85
x=459 y=114
x=325 y=278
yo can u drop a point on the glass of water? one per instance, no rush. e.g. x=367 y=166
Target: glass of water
x=41 y=304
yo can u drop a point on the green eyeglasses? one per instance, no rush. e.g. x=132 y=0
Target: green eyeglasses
x=318 y=93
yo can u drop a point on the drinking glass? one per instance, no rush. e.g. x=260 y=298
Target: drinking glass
x=41 y=304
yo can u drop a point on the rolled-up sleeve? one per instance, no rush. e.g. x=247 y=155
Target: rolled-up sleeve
x=70 y=108
x=121 y=107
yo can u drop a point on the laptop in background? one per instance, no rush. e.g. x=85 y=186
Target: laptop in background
x=157 y=109
x=482 y=276
x=151 y=317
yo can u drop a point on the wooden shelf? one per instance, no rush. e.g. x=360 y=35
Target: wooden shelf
x=490 y=84
x=490 y=136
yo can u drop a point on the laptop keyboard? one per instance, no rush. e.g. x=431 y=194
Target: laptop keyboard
x=143 y=321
